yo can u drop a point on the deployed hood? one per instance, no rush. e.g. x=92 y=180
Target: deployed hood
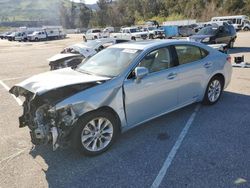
x=83 y=49
x=62 y=56
x=42 y=83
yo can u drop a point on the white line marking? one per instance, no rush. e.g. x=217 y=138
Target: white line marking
x=12 y=156
x=7 y=88
x=174 y=150
x=15 y=78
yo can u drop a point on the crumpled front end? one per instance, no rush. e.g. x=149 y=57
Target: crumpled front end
x=47 y=124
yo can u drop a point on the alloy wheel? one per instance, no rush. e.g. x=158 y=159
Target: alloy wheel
x=214 y=90
x=97 y=134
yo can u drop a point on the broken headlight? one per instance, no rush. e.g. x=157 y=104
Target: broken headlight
x=65 y=116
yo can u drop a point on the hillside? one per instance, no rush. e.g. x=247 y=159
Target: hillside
x=31 y=10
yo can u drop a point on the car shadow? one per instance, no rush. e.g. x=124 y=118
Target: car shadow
x=67 y=168
x=236 y=50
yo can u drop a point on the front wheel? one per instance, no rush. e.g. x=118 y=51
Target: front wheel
x=213 y=91
x=246 y=29
x=95 y=132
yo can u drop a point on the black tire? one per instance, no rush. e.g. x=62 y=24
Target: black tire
x=246 y=29
x=76 y=141
x=133 y=38
x=36 y=39
x=207 y=100
x=151 y=36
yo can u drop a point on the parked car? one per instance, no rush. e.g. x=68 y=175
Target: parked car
x=216 y=34
x=11 y=36
x=154 y=32
x=37 y=36
x=21 y=36
x=74 y=54
x=119 y=88
x=187 y=30
x=130 y=33
x=92 y=34
x=246 y=25
x=4 y=35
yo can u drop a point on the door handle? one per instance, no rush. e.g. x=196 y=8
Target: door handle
x=208 y=65
x=172 y=75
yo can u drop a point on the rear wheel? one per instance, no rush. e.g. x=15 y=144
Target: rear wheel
x=213 y=91
x=95 y=132
x=133 y=38
x=246 y=29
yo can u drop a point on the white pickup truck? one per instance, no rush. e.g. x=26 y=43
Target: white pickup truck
x=246 y=25
x=130 y=33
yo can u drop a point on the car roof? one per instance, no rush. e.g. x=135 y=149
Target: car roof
x=142 y=45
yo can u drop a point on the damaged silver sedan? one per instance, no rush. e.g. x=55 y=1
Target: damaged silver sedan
x=119 y=88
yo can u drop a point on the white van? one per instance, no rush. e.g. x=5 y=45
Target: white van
x=37 y=36
x=237 y=20
x=54 y=32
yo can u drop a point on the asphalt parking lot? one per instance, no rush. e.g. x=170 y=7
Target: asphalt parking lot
x=198 y=146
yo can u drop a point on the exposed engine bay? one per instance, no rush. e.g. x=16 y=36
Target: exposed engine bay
x=49 y=125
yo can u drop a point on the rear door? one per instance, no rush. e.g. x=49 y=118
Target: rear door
x=156 y=93
x=223 y=35
x=194 y=68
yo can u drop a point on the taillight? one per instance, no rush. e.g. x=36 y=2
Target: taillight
x=229 y=59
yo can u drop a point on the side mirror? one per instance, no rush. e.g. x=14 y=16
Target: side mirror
x=140 y=72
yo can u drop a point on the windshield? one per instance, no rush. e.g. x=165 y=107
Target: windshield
x=207 y=31
x=96 y=31
x=151 y=28
x=134 y=30
x=110 y=62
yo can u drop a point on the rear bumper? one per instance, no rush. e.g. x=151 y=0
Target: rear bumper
x=228 y=74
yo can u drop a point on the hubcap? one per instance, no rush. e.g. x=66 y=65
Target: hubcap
x=214 y=90
x=97 y=134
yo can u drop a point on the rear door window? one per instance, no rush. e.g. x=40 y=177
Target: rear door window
x=189 y=53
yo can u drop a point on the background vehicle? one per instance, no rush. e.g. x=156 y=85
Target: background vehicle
x=246 y=25
x=37 y=36
x=11 y=36
x=154 y=32
x=130 y=33
x=73 y=55
x=4 y=35
x=21 y=36
x=107 y=94
x=54 y=32
x=93 y=34
x=237 y=20
x=187 y=30
x=216 y=34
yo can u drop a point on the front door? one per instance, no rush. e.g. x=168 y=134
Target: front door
x=154 y=94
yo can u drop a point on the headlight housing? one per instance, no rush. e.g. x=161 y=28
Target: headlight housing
x=207 y=39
